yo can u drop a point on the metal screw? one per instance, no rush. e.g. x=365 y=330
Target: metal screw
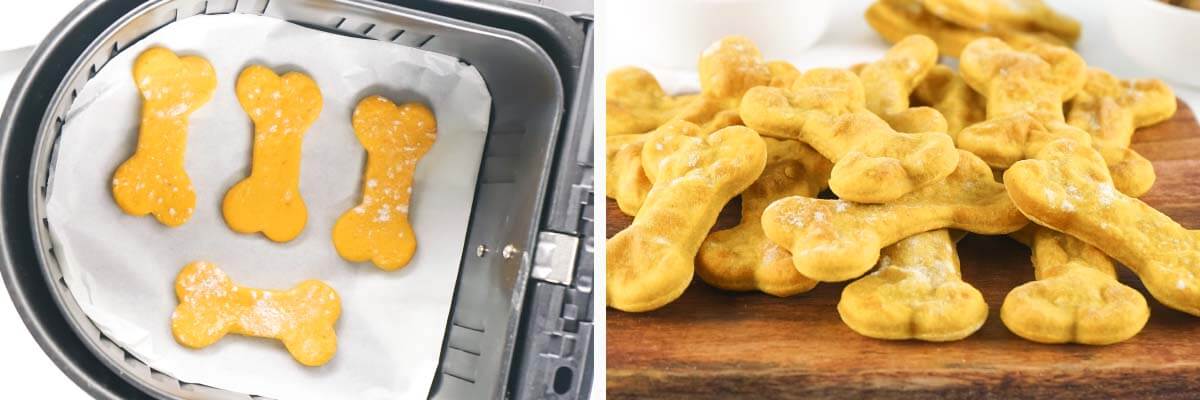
x=481 y=250
x=509 y=251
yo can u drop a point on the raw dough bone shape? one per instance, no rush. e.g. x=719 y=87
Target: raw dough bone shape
x=1076 y=297
x=1018 y=15
x=945 y=91
x=211 y=306
x=153 y=180
x=395 y=139
x=1067 y=188
x=742 y=258
x=650 y=263
x=889 y=82
x=917 y=293
x=833 y=240
x=282 y=109
x=897 y=19
x=872 y=163
x=636 y=103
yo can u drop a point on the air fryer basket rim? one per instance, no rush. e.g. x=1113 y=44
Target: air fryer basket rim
x=76 y=360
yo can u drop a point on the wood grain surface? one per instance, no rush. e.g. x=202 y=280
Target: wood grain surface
x=715 y=344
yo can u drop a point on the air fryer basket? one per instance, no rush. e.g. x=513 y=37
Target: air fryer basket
x=531 y=82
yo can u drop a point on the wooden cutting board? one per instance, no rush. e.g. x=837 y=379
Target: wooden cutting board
x=715 y=344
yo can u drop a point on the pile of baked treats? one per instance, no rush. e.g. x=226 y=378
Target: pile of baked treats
x=1023 y=139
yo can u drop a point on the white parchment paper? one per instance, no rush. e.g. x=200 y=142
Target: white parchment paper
x=121 y=269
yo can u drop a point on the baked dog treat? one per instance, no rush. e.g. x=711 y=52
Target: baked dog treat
x=783 y=74
x=395 y=137
x=834 y=240
x=946 y=91
x=826 y=109
x=1018 y=15
x=1076 y=297
x=650 y=263
x=1111 y=110
x=1068 y=189
x=211 y=306
x=917 y=293
x=282 y=109
x=664 y=141
x=153 y=180
x=742 y=258
x=889 y=82
x=636 y=103
x=897 y=19
x=626 y=182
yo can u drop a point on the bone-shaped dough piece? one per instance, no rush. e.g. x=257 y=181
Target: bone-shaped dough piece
x=897 y=19
x=832 y=240
x=395 y=137
x=890 y=81
x=650 y=263
x=873 y=163
x=211 y=305
x=626 y=181
x=945 y=91
x=742 y=258
x=917 y=293
x=153 y=180
x=282 y=109
x=1020 y=15
x=636 y=103
x=1068 y=189
x=1076 y=297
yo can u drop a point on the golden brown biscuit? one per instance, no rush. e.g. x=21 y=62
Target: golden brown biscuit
x=945 y=91
x=742 y=258
x=626 y=182
x=897 y=19
x=153 y=180
x=873 y=163
x=211 y=306
x=651 y=262
x=1018 y=15
x=1067 y=188
x=636 y=103
x=1111 y=110
x=889 y=82
x=282 y=108
x=834 y=240
x=1076 y=297
x=917 y=293
x=783 y=74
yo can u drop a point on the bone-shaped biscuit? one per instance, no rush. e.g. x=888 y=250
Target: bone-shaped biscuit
x=945 y=91
x=153 y=180
x=626 y=182
x=282 y=109
x=1111 y=110
x=897 y=19
x=783 y=74
x=636 y=103
x=211 y=305
x=917 y=293
x=873 y=163
x=742 y=258
x=395 y=137
x=1020 y=15
x=650 y=263
x=890 y=81
x=1076 y=297
x=832 y=240
x=1068 y=189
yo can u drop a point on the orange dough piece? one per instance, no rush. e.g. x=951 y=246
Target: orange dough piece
x=395 y=139
x=153 y=181
x=211 y=306
x=282 y=109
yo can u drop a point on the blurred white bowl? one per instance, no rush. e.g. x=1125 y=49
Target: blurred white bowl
x=1162 y=38
x=671 y=34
